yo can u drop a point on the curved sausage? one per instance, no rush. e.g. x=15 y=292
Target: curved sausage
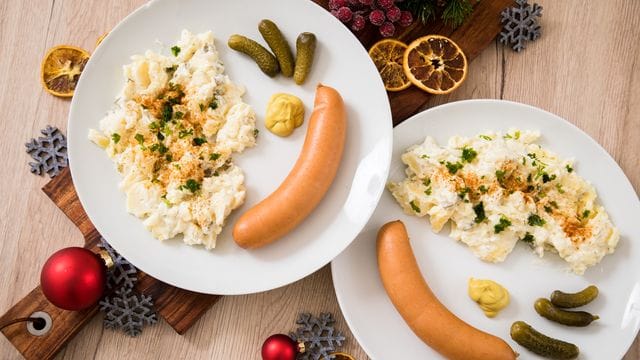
x=308 y=181
x=421 y=310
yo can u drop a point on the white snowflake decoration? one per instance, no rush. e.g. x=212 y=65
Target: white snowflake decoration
x=318 y=336
x=128 y=311
x=520 y=24
x=49 y=152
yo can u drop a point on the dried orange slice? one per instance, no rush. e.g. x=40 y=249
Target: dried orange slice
x=61 y=69
x=435 y=64
x=387 y=56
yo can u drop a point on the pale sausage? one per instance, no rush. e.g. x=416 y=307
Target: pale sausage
x=308 y=181
x=421 y=310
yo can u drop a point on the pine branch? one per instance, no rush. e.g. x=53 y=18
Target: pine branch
x=453 y=12
x=456 y=11
x=423 y=10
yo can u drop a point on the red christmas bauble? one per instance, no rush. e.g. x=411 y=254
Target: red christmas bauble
x=73 y=278
x=279 y=347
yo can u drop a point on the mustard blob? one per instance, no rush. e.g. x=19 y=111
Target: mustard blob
x=285 y=112
x=490 y=296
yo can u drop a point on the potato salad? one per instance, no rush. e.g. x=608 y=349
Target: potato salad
x=172 y=133
x=498 y=189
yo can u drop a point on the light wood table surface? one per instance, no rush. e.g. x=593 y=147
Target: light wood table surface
x=585 y=68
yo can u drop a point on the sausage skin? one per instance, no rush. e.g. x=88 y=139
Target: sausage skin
x=422 y=311
x=308 y=181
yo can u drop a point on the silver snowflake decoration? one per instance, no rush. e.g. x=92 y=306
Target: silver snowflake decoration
x=128 y=311
x=49 y=152
x=520 y=24
x=123 y=272
x=319 y=336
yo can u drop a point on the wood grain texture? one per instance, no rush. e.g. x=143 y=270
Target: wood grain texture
x=179 y=308
x=585 y=68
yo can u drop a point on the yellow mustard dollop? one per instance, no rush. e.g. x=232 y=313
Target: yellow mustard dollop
x=285 y=112
x=490 y=296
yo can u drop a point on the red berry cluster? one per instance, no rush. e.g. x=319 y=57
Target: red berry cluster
x=382 y=13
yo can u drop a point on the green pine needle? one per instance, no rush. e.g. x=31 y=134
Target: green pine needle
x=456 y=11
x=453 y=13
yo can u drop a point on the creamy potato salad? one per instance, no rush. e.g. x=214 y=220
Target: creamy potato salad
x=172 y=134
x=498 y=189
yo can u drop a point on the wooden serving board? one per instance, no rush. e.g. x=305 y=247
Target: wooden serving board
x=181 y=308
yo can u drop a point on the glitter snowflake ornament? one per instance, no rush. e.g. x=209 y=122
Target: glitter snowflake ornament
x=319 y=336
x=520 y=24
x=128 y=311
x=49 y=152
x=123 y=272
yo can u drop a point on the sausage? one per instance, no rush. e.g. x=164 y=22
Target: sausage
x=308 y=181
x=422 y=311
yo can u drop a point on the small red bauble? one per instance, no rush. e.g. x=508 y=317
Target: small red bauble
x=73 y=278
x=279 y=347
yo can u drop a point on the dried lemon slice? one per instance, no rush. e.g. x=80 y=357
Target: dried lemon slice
x=435 y=64
x=387 y=56
x=61 y=69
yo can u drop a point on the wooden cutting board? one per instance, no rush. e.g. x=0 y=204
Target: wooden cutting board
x=181 y=308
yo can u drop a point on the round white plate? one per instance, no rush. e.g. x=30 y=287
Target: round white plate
x=447 y=265
x=340 y=62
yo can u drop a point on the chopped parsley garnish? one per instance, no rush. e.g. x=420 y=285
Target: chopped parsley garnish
x=424 y=156
x=159 y=147
x=483 y=189
x=428 y=191
x=515 y=135
x=139 y=138
x=535 y=220
x=486 y=137
x=530 y=188
x=169 y=157
x=554 y=204
x=167 y=112
x=560 y=189
x=154 y=126
x=199 y=141
x=427 y=182
x=500 y=174
x=529 y=177
x=546 y=177
x=501 y=225
x=524 y=160
x=480 y=215
x=586 y=213
x=160 y=136
x=414 y=206
x=548 y=209
x=256 y=132
x=214 y=156
x=569 y=168
x=528 y=238
x=464 y=192
x=175 y=50
x=201 y=107
x=191 y=185
x=453 y=167
x=171 y=69
x=213 y=105
x=468 y=154
x=178 y=114
x=184 y=133
x=115 y=137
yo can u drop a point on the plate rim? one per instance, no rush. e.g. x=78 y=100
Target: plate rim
x=339 y=295
x=257 y=287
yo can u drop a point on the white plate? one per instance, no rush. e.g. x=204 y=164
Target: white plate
x=447 y=265
x=340 y=62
